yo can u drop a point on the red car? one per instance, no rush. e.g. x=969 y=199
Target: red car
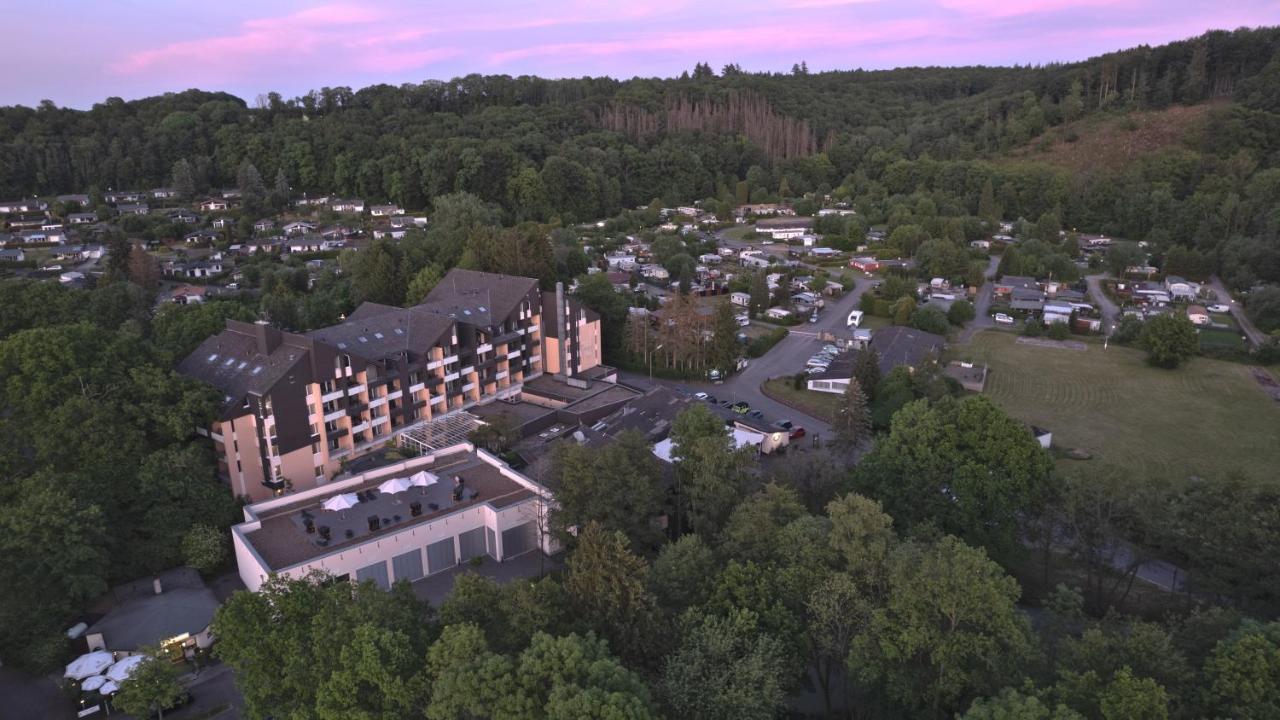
x=797 y=433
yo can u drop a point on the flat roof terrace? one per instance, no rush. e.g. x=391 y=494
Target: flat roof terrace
x=293 y=533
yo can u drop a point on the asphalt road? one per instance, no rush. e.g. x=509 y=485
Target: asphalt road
x=981 y=305
x=1256 y=336
x=786 y=358
x=1110 y=311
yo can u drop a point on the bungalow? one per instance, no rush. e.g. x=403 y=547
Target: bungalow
x=72 y=277
x=200 y=237
x=824 y=212
x=79 y=253
x=1026 y=300
x=264 y=225
x=1198 y=315
x=298 y=227
x=11 y=255
x=1152 y=293
x=823 y=252
x=865 y=264
x=39 y=237
x=785 y=228
x=777 y=313
x=347 y=206
x=267 y=245
x=21 y=222
x=389 y=232
x=763 y=209
x=222 y=223
x=306 y=201
x=654 y=272
x=194 y=269
x=980 y=244
x=133 y=209
x=184 y=217
x=76 y=199
x=1005 y=286
x=163 y=193
x=808 y=240
x=1093 y=242
x=709 y=259
x=621 y=262
x=1181 y=288
x=306 y=244
x=740 y=298
x=121 y=196
x=83 y=218
x=214 y=205
x=385 y=210
x=230 y=194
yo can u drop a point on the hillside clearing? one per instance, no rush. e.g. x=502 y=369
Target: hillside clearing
x=1206 y=418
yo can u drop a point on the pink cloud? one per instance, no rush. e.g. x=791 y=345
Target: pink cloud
x=1011 y=8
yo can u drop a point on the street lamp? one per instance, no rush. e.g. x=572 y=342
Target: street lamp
x=651 y=352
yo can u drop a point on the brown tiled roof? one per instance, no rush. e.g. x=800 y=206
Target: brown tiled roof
x=232 y=361
x=478 y=298
x=374 y=331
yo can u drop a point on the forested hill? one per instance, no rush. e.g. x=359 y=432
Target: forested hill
x=584 y=148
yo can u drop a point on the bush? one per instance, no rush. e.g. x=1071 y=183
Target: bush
x=1059 y=331
x=930 y=320
x=961 y=312
x=1032 y=328
x=763 y=344
x=1128 y=331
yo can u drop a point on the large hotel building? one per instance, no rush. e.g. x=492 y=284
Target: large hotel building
x=297 y=405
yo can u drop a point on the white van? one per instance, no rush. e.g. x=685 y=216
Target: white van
x=855 y=318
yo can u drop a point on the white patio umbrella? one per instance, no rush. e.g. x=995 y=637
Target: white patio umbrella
x=395 y=485
x=422 y=479
x=109 y=687
x=345 y=501
x=121 y=670
x=93 y=683
x=88 y=665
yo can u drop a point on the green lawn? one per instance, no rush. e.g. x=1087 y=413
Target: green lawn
x=820 y=405
x=738 y=232
x=1205 y=418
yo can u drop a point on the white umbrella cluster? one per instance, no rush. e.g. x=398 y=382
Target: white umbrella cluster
x=423 y=479
x=88 y=665
x=123 y=669
x=394 y=485
x=94 y=683
x=345 y=501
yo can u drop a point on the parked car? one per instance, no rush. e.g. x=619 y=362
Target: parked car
x=1219 y=308
x=757 y=414
x=797 y=433
x=700 y=396
x=711 y=399
x=1002 y=319
x=784 y=424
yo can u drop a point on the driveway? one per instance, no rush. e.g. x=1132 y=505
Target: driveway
x=1256 y=336
x=981 y=305
x=1110 y=311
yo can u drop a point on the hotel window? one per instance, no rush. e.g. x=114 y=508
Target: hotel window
x=326 y=387
x=319 y=471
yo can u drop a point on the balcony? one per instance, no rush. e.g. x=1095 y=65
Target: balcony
x=395 y=395
x=335 y=415
x=413 y=389
x=356 y=389
x=330 y=397
x=379 y=402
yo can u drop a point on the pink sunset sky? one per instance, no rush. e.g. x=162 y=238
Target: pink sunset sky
x=77 y=53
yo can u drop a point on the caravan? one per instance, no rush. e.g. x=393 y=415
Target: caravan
x=855 y=318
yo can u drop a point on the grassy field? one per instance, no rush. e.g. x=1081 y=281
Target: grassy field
x=820 y=405
x=1205 y=418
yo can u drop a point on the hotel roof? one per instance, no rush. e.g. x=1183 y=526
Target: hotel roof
x=282 y=540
